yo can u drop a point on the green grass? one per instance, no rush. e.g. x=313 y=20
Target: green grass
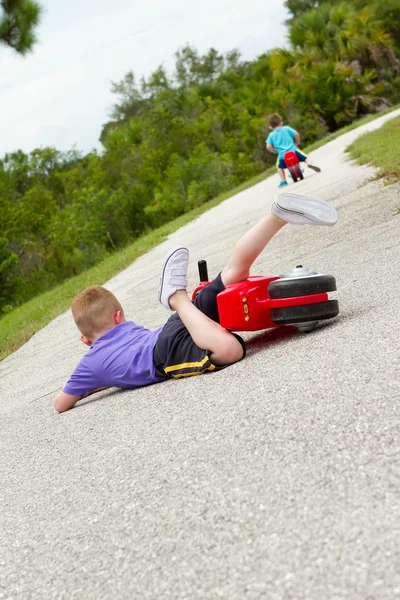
x=18 y=326
x=380 y=148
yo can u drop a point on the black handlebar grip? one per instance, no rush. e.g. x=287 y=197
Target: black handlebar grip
x=203 y=271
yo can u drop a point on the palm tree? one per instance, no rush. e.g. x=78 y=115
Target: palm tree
x=340 y=33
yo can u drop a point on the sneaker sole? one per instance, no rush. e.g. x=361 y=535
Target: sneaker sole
x=166 y=259
x=316 y=211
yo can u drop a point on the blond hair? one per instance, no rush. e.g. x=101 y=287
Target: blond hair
x=275 y=120
x=93 y=310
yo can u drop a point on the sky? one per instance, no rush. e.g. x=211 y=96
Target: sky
x=59 y=95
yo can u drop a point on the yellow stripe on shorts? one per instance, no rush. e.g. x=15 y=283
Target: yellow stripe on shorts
x=188 y=365
x=190 y=368
x=192 y=373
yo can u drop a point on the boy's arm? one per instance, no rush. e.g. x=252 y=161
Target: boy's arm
x=294 y=134
x=270 y=148
x=65 y=401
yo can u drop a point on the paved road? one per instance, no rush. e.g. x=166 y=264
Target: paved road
x=275 y=479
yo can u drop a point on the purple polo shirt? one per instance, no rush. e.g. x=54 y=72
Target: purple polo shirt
x=122 y=357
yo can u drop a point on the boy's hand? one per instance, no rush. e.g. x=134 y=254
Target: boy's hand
x=271 y=149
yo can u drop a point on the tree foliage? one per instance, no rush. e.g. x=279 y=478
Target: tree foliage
x=18 y=20
x=387 y=11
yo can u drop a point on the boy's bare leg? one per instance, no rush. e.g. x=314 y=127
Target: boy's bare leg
x=249 y=247
x=207 y=334
x=287 y=208
x=311 y=165
x=281 y=174
x=224 y=347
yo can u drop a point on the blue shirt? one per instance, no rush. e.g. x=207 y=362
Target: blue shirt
x=122 y=357
x=282 y=139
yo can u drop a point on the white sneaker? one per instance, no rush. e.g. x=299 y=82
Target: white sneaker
x=299 y=210
x=174 y=274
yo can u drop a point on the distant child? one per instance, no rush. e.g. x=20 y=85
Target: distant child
x=126 y=355
x=282 y=139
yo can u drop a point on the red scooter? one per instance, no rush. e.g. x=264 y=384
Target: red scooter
x=292 y=163
x=298 y=298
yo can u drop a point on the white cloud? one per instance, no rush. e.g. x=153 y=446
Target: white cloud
x=60 y=94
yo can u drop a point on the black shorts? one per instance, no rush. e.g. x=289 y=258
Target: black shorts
x=175 y=354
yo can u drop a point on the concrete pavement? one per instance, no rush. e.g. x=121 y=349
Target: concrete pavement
x=275 y=479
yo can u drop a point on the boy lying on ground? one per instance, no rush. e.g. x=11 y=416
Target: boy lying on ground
x=126 y=355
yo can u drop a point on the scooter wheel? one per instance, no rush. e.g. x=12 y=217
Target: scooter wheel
x=293 y=173
x=291 y=287
x=299 y=171
x=290 y=315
